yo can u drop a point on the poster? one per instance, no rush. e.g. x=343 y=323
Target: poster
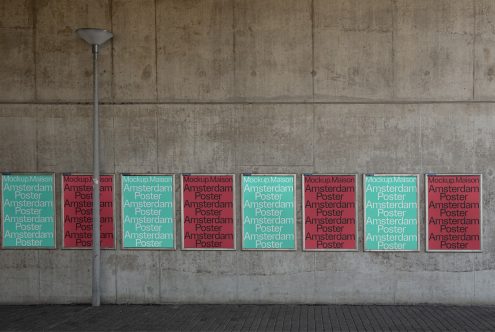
x=391 y=213
x=208 y=213
x=329 y=212
x=77 y=211
x=28 y=212
x=148 y=211
x=453 y=212
x=268 y=212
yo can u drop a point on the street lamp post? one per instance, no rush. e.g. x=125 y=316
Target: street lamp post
x=96 y=38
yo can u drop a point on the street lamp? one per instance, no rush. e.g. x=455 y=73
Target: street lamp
x=96 y=38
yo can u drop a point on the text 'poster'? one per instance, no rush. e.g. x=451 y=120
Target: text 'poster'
x=268 y=212
x=148 y=211
x=453 y=212
x=77 y=207
x=391 y=213
x=28 y=211
x=329 y=212
x=208 y=218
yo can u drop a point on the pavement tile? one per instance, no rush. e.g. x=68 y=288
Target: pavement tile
x=247 y=317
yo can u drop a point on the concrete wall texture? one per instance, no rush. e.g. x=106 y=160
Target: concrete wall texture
x=232 y=86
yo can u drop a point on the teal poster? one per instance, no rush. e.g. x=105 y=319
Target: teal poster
x=28 y=213
x=268 y=212
x=391 y=213
x=148 y=211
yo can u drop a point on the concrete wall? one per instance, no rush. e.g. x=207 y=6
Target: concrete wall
x=261 y=86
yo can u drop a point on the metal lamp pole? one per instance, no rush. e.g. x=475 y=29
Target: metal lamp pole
x=96 y=38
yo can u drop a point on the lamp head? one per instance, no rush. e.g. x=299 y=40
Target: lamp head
x=94 y=36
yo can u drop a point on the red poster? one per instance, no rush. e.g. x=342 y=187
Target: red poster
x=208 y=212
x=77 y=207
x=453 y=212
x=329 y=212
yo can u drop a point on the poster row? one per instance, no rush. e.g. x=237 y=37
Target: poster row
x=268 y=212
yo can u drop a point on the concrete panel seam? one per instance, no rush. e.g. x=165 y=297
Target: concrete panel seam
x=313 y=73
x=314 y=137
x=421 y=138
x=165 y=103
x=112 y=63
x=474 y=47
x=234 y=63
x=33 y=8
x=156 y=62
x=394 y=28
x=37 y=142
x=157 y=141
x=39 y=277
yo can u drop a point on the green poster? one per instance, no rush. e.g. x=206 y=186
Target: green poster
x=391 y=213
x=148 y=211
x=268 y=212
x=28 y=212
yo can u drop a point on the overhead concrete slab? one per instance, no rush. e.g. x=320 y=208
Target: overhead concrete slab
x=195 y=59
x=273 y=53
x=353 y=50
x=134 y=50
x=16 y=14
x=17 y=67
x=64 y=69
x=433 y=50
x=484 y=42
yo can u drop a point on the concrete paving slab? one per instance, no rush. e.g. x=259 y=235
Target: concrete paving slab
x=248 y=318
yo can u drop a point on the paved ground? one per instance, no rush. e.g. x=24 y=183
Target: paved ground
x=246 y=318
